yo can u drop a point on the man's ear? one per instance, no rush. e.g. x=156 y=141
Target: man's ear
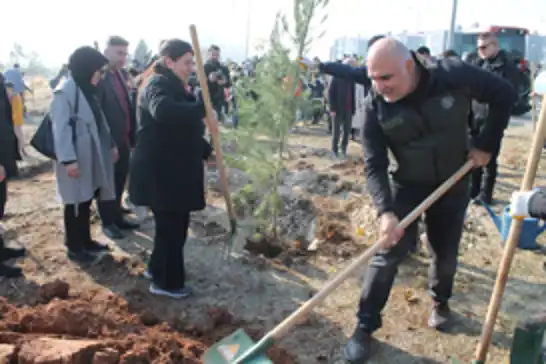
x=169 y=62
x=409 y=64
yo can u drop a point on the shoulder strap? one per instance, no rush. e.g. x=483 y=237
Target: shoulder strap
x=77 y=101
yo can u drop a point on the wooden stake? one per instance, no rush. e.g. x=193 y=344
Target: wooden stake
x=511 y=243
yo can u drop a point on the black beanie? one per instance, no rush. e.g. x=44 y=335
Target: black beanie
x=175 y=48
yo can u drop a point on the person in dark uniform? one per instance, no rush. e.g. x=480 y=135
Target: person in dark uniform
x=420 y=113
x=8 y=169
x=497 y=61
x=167 y=167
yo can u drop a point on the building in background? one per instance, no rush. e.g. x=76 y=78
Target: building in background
x=348 y=45
x=436 y=40
x=536 y=48
x=412 y=40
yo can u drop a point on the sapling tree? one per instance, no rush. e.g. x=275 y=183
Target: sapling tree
x=267 y=106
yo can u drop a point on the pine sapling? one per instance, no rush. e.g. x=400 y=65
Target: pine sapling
x=267 y=105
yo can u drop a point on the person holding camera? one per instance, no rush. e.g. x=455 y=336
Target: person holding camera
x=218 y=80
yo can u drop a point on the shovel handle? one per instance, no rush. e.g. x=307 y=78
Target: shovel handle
x=289 y=322
x=200 y=70
x=511 y=242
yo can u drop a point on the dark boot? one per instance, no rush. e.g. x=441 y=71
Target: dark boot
x=440 y=317
x=357 y=350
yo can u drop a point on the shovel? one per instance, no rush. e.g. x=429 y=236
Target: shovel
x=215 y=139
x=238 y=347
x=511 y=243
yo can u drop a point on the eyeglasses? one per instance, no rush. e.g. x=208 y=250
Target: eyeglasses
x=483 y=47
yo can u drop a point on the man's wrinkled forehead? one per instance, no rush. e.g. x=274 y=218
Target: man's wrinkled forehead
x=382 y=68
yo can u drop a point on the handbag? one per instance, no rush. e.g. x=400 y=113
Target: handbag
x=43 y=140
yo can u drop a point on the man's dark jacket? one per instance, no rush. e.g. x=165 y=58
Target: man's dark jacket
x=122 y=132
x=501 y=65
x=338 y=94
x=167 y=168
x=444 y=76
x=217 y=91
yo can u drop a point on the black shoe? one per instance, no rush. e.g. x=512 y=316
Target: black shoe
x=8 y=271
x=113 y=232
x=96 y=247
x=357 y=350
x=440 y=317
x=126 y=211
x=127 y=225
x=11 y=253
x=82 y=256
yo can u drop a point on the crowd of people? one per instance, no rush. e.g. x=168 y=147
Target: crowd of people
x=114 y=127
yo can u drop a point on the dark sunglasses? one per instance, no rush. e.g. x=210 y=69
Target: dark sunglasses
x=483 y=47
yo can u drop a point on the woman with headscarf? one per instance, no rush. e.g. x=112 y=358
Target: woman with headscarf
x=167 y=169
x=85 y=150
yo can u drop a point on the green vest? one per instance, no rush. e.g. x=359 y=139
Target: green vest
x=430 y=141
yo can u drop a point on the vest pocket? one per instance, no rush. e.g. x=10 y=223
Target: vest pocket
x=416 y=165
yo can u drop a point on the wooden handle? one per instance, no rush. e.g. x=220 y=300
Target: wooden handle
x=357 y=264
x=200 y=70
x=532 y=68
x=511 y=242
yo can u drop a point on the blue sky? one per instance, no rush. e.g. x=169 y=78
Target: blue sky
x=53 y=28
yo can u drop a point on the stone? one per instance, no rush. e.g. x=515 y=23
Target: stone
x=6 y=353
x=106 y=356
x=58 y=351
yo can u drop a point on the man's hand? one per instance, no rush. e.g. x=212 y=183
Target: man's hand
x=479 y=157
x=333 y=114
x=213 y=77
x=221 y=82
x=388 y=223
x=2 y=173
x=73 y=170
x=115 y=154
x=519 y=205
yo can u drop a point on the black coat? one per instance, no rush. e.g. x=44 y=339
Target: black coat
x=167 y=166
x=8 y=140
x=123 y=134
x=338 y=93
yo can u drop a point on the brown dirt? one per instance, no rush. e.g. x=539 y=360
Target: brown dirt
x=135 y=337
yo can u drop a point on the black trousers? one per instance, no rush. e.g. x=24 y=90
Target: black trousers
x=110 y=211
x=167 y=260
x=444 y=224
x=342 y=124
x=483 y=179
x=3 y=197
x=77 y=226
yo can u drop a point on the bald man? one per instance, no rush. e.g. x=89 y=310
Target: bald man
x=420 y=113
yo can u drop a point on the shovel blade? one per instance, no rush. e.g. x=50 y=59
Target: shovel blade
x=230 y=348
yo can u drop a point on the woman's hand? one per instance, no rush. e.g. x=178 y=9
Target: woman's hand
x=73 y=170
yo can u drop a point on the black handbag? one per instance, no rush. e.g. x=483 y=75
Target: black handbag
x=43 y=140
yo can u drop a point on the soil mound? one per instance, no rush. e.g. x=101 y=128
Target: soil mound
x=103 y=330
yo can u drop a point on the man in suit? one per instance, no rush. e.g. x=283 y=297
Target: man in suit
x=120 y=114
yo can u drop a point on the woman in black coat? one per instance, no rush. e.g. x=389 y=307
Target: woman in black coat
x=167 y=168
x=8 y=169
